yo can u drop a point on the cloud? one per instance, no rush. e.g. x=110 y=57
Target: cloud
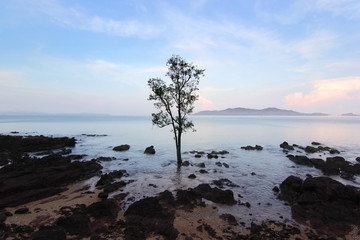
x=78 y=19
x=327 y=91
x=346 y=8
x=204 y=103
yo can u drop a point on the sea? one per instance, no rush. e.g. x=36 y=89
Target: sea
x=253 y=173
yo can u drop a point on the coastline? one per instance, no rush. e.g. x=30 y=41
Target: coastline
x=189 y=214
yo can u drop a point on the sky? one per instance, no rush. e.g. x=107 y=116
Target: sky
x=83 y=56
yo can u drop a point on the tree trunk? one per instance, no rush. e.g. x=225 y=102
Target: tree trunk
x=178 y=149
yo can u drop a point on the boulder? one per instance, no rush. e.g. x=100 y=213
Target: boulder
x=150 y=150
x=77 y=224
x=257 y=147
x=215 y=194
x=325 y=204
x=286 y=146
x=121 y=148
x=192 y=176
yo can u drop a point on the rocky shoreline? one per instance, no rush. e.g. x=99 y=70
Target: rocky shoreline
x=44 y=195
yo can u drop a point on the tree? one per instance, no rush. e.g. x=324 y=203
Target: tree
x=176 y=100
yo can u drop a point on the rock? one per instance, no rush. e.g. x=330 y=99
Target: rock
x=202 y=171
x=197 y=156
x=106 y=208
x=210 y=156
x=150 y=150
x=286 y=146
x=334 y=151
x=112 y=187
x=121 y=148
x=311 y=149
x=185 y=163
x=219 y=164
x=224 y=182
x=46 y=233
x=325 y=204
x=23 y=210
x=215 y=194
x=192 y=176
x=152 y=215
x=103 y=195
x=276 y=189
x=105 y=179
x=77 y=224
x=2 y=217
x=200 y=165
x=253 y=174
x=290 y=188
x=302 y=160
x=34 y=143
x=358 y=159
x=188 y=198
x=226 y=165
x=257 y=147
x=315 y=143
x=105 y=159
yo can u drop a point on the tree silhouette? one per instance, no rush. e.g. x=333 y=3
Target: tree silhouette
x=176 y=100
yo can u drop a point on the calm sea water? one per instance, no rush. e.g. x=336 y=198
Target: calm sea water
x=229 y=133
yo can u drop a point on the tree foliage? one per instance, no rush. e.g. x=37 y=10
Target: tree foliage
x=176 y=100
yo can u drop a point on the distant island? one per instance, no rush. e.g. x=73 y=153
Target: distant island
x=350 y=115
x=258 y=112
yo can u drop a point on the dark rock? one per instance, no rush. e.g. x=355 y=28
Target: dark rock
x=33 y=143
x=257 y=147
x=358 y=159
x=276 y=189
x=286 y=146
x=188 y=198
x=150 y=150
x=224 y=182
x=46 y=233
x=185 y=163
x=210 y=156
x=197 y=156
x=105 y=159
x=151 y=215
x=327 y=205
x=253 y=174
x=2 y=217
x=201 y=165
x=302 y=160
x=192 y=176
x=226 y=165
x=122 y=148
x=77 y=224
x=106 y=208
x=311 y=149
x=103 y=195
x=112 y=187
x=23 y=210
x=219 y=164
x=105 y=179
x=202 y=171
x=215 y=194
x=290 y=188
x=334 y=151
x=315 y=143
x=30 y=179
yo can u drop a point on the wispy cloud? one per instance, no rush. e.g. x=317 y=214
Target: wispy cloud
x=77 y=18
x=327 y=91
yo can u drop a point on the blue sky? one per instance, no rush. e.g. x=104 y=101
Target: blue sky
x=96 y=56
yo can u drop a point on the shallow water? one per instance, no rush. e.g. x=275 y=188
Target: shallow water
x=270 y=166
